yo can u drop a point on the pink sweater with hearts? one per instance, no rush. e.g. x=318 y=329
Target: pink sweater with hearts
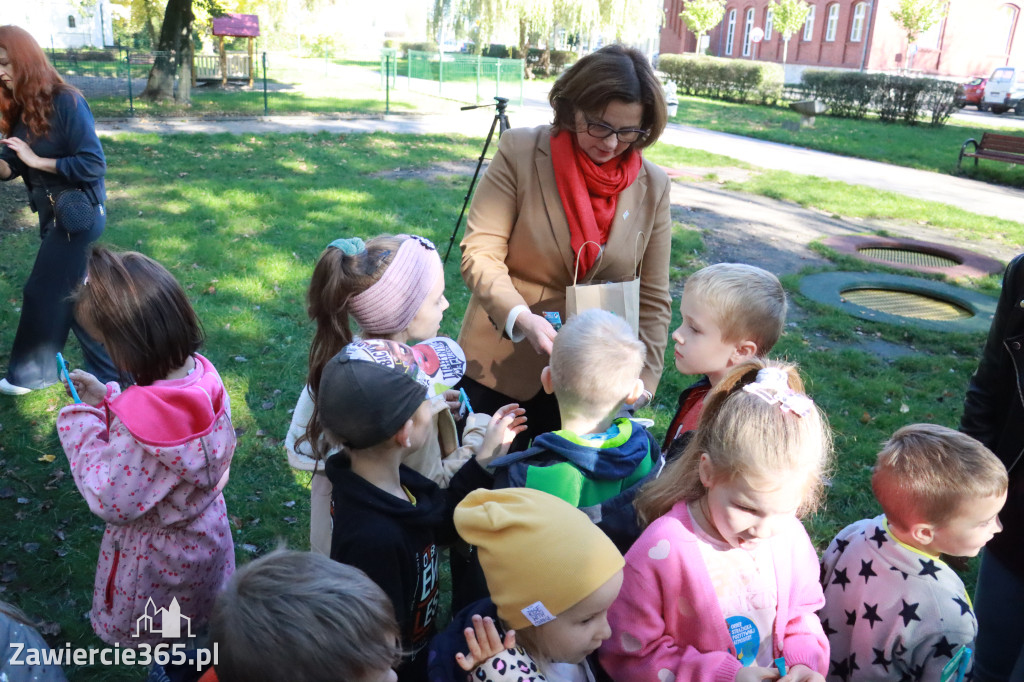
x=667 y=624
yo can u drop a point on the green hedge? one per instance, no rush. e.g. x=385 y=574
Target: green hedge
x=729 y=79
x=852 y=94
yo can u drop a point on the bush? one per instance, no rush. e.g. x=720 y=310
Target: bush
x=729 y=79
x=852 y=94
x=498 y=51
x=418 y=47
x=558 y=60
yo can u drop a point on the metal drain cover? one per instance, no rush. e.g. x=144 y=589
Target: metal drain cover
x=912 y=254
x=901 y=300
x=906 y=304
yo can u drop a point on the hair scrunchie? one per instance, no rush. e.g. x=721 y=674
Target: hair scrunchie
x=390 y=303
x=350 y=246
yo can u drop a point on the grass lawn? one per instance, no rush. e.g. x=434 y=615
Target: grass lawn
x=241 y=220
x=920 y=146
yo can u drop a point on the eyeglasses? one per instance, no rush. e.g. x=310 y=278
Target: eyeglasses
x=603 y=131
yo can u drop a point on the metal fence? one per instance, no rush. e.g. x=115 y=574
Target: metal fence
x=465 y=77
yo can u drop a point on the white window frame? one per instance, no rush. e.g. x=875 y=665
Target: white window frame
x=809 y=25
x=832 y=24
x=748 y=26
x=769 y=24
x=730 y=32
x=860 y=11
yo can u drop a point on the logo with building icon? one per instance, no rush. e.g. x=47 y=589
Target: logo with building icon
x=170 y=621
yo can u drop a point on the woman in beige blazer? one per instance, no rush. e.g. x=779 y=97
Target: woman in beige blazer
x=520 y=247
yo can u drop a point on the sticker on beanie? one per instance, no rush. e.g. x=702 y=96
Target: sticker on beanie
x=537 y=614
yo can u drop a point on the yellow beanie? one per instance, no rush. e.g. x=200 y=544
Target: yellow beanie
x=540 y=554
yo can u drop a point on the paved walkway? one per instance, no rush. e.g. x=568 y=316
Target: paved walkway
x=970 y=195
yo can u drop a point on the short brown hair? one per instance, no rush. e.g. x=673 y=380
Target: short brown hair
x=141 y=312
x=748 y=303
x=615 y=72
x=925 y=472
x=302 y=617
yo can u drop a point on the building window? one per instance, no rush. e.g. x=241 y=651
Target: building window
x=860 y=10
x=809 y=25
x=730 y=32
x=748 y=25
x=1008 y=17
x=769 y=19
x=71 y=21
x=832 y=23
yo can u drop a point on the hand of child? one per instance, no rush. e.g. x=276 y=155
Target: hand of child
x=483 y=642
x=451 y=399
x=756 y=673
x=801 y=673
x=506 y=423
x=90 y=389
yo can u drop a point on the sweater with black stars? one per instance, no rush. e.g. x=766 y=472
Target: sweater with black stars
x=891 y=612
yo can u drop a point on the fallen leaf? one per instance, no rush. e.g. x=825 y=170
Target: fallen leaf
x=241 y=358
x=252 y=549
x=904 y=408
x=47 y=458
x=289 y=504
x=49 y=628
x=23 y=500
x=31 y=547
x=290 y=519
x=267 y=404
x=865 y=418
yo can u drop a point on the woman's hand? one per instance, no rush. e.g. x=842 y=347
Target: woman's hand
x=483 y=642
x=25 y=153
x=504 y=426
x=538 y=331
x=756 y=673
x=801 y=673
x=90 y=389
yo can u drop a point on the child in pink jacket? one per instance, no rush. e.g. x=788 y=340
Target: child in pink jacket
x=153 y=459
x=723 y=584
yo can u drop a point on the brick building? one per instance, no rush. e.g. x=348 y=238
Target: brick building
x=975 y=37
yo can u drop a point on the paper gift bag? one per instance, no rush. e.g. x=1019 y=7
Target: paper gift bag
x=621 y=298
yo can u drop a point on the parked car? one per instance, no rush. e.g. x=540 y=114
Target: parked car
x=972 y=92
x=1005 y=90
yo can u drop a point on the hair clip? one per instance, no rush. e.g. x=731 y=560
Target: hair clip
x=350 y=246
x=426 y=243
x=772 y=386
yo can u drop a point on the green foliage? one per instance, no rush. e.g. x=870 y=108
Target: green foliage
x=700 y=16
x=852 y=94
x=557 y=60
x=787 y=18
x=729 y=79
x=917 y=16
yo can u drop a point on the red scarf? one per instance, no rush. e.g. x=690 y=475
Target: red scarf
x=590 y=192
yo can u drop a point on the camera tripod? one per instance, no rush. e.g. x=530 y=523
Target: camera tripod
x=501 y=121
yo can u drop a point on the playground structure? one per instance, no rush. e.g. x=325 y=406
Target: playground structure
x=223 y=66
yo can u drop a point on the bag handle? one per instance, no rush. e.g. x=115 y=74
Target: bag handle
x=600 y=255
x=638 y=267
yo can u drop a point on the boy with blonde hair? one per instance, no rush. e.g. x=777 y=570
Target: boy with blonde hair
x=731 y=312
x=596 y=461
x=893 y=609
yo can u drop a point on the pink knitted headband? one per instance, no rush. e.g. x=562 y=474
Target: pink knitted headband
x=390 y=303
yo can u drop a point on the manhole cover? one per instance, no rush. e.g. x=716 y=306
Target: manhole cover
x=915 y=255
x=917 y=259
x=906 y=304
x=902 y=300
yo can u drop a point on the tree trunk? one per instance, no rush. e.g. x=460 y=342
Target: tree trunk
x=785 y=49
x=524 y=48
x=175 y=35
x=696 y=50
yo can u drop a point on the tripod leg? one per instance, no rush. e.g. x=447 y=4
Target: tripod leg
x=472 y=184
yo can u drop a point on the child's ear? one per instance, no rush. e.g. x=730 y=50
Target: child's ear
x=922 y=533
x=705 y=470
x=545 y=380
x=638 y=390
x=744 y=351
x=403 y=438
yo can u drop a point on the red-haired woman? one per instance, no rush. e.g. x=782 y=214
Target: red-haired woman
x=49 y=139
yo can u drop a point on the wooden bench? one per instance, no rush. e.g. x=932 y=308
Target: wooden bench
x=1005 y=148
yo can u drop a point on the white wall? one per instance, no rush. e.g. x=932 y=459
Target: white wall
x=47 y=21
